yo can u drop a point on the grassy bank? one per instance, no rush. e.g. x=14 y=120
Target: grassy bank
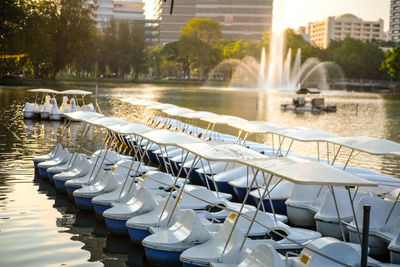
x=64 y=82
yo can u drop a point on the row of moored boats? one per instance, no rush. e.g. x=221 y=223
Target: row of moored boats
x=222 y=200
x=45 y=105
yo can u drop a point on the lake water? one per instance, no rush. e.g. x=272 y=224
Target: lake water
x=41 y=228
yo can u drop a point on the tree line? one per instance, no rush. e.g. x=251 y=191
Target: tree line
x=49 y=38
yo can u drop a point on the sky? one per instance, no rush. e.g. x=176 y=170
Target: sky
x=300 y=12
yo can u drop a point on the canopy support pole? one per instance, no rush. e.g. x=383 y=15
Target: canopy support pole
x=354 y=214
x=391 y=210
x=338 y=214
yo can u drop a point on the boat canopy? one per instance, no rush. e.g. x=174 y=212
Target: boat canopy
x=367 y=144
x=256 y=127
x=43 y=90
x=306 y=172
x=75 y=92
x=304 y=134
x=147 y=103
x=106 y=121
x=178 y=112
x=127 y=100
x=223 y=119
x=129 y=128
x=303 y=91
x=132 y=101
x=83 y=115
x=169 y=138
x=220 y=151
x=199 y=115
x=162 y=106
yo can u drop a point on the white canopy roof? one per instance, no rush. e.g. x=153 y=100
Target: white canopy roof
x=130 y=128
x=75 y=92
x=147 y=103
x=132 y=100
x=257 y=127
x=305 y=134
x=199 y=115
x=169 y=138
x=307 y=172
x=367 y=144
x=220 y=151
x=178 y=111
x=162 y=106
x=43 y=90
x=223 y=119
x=128 y=100
x=83 y=115
x=106 y=121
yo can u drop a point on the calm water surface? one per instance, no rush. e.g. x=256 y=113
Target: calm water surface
x=41 y=228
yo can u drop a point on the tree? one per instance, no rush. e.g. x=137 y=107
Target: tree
x=75 y=26
x=138 y=49
x=197 y=43
x=391 y=64
x=359 y=59
x=238 y=49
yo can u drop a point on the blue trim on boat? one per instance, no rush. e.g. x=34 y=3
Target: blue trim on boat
x=83 y=202
x=43 y=172
x=60 y=184
x=279 y=205
x=152 y=156
x=99 y=208
x=224 y=187
x=184 y=264
x=71 y=189
x=50 y=175
x=161 y=257
x=194 y=177
x=240 y=193
x=137 y=235
x=35 y=164
x=117 y=226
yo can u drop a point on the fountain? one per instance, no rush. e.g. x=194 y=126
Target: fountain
x=276 y=71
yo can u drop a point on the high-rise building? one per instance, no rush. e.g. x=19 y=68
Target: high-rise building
x=240 y=20
x=395 y=20
x=129 y=10
x=338 y=28
x=132 y=11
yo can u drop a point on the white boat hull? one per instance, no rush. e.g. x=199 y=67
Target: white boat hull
x=300 y=217
x=331 y=229
x=44 y=115
x=29 y=114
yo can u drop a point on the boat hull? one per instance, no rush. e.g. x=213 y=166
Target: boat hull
x=117 y=227
x=279 y=205
x=300 y=216
x=43 y=172
x=60 y=185
x=99 y=208
x=331 y=229
x=137 y=235
x=394 y=257
x=162 y=258
x=84 y=203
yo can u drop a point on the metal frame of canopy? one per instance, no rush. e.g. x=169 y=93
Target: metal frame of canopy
x=219 y=120
x=255 y=127
x=300 y=171
x=102 y=122
x=76 y=93
x=211 y=151
x=175 y=113
x=194 y=117
x=303 y=134
x=164 y=138
x=44 y=91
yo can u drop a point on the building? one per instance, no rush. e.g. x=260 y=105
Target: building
x=338 y=28
x=132 y=11
x=395 y=20
x=240 y=20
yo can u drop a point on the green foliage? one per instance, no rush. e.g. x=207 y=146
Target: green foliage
x=391 y=64
x=359 y=59
x=198 y=43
